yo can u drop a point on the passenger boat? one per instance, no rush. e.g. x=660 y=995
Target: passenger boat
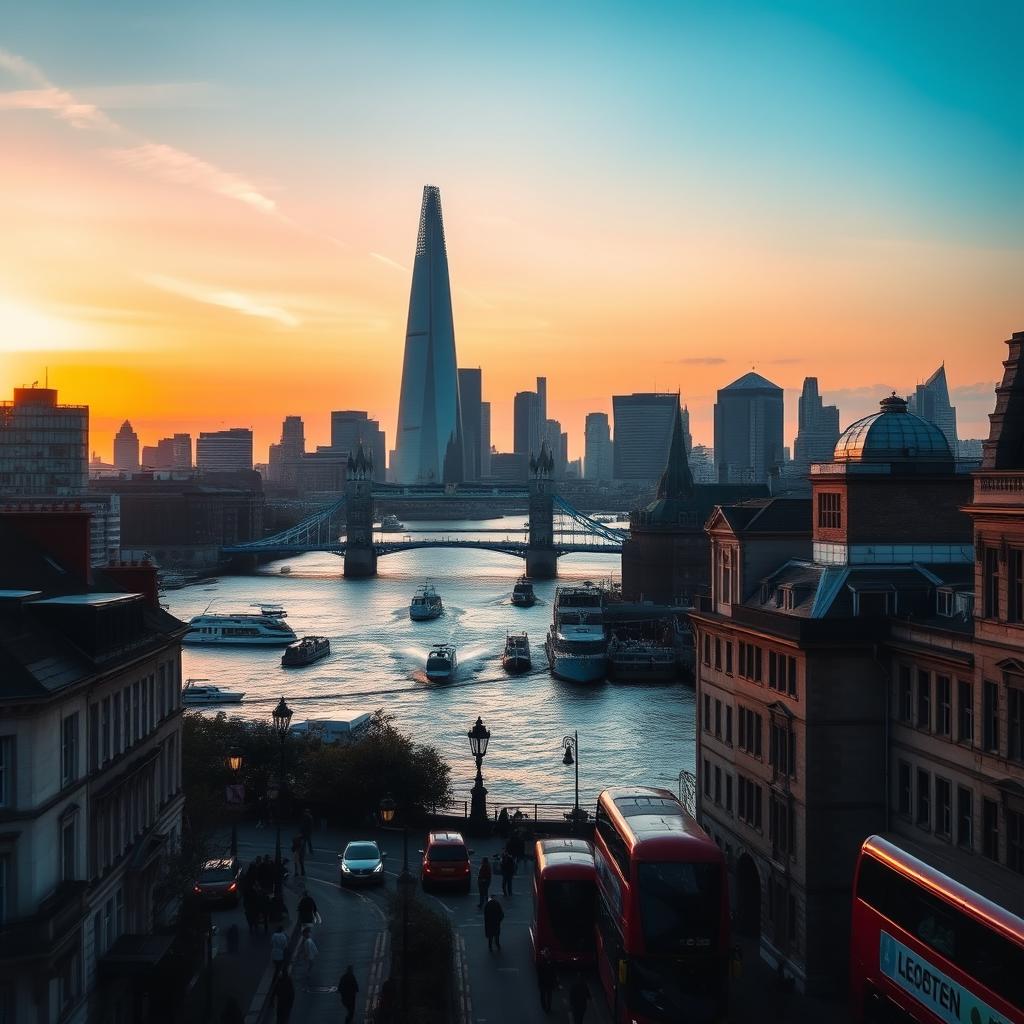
x=391 y=524
x=196 y=692
x=441 y=663
x=641 y=661
x=306 y=651
x=517 y=653
x=250 y=630
x=522 y=593
x=577 y=644
x=426 y=604
x=272 y=611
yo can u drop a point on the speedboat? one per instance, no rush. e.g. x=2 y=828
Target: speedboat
x=306 y=651
x=251 y=630
x=391 y=524
x=272 y=611
x=522 y=593
x=517 y=653
x=441 y=663
x=285 y=569
x=200 y=691
x=426 y=604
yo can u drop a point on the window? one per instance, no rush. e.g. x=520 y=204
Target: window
x=904 y=795
x=750 y=732
x=707 y=712
x=105 y=716
x=162 y=676
x=964 y=818
x=1015 y=584
x=990 y=582
x=127 y=717
x=943 y=808
x=782 y=673
x=924 y=700
x=69 y=977
x=728 y=792
x=7 y=771
x=1015 y=841
x=94 y=737
x=944 y=604
x=6 y=887
x=990 y=716
x=718 y=784
x=68 y=849
x=725 y=576
x=781 y=831
x=791 y=677
x=69 y=749
x=707 y=777
x=830 y=516
x=750 y=662
x=718 y=653
x=728 y=657
x=117 y=724
x=1015 y=722
x=965 y=711
x=137 y=708
x=145 y=708
x=782 y=752
x=718 y=719
x=924 y=798
x=905 y=695
x=943 y=709
x=749 y=801
x=707 y=649
x=990 y=829
x=728 y=724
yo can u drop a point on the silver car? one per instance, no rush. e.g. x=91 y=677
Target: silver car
x=362 y=863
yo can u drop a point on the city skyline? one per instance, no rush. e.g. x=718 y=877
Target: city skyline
x=177 y=234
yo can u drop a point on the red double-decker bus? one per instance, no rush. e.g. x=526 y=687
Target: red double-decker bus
x=925 y=948
x=662 y=910
x=564 y=898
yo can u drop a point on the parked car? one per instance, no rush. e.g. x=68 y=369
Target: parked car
x=361 y=863
x=219 y=881
x=446 y=861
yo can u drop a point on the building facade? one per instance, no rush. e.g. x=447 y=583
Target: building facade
x=526 y=426
x=817 y=429
x=284 y=457
x=126 y=449
x=224 y=451
x=930 y=401
x=470 y=399
x=597 y=451
x=351 y=428
x=643 y=434
x=748 y=430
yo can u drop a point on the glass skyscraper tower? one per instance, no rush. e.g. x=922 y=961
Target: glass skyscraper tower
x=429 y=444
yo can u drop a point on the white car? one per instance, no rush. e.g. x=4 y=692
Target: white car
x=362 y=863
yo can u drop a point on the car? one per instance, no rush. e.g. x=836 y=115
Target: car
x=219 y=881
x=446 y=861
x=362 y=863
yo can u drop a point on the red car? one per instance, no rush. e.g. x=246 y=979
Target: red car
x=446 y=861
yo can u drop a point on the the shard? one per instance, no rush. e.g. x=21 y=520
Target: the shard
x=429 y=445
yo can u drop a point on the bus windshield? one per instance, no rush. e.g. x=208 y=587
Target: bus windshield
x=669 y=990
x=570 y=907
x=680 y=906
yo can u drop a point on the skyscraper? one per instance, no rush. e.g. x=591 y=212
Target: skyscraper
x=182 y=444
x=526 y=436
x=470 y=394
x=224 y=451
x=817 y=429
x=931 y=402
x=126 y=449
x=597 y=463
x=485 y=439
x=643 y=434
x=285 y=456
x=351 y=428
x=748 y=430
x=429 y=445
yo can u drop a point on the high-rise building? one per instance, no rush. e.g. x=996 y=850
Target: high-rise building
x=485 y=439
x=224 y=451
x=558 y=445
x=470 y=399
x=286 y=455
x=748 y=430
x=429 y=447
x=931 y=402
x=817 y=429
x=643 y=433
x=126 y=449
x=597 y=435
x=43 y=446
x=174 y=453
x=182 y=445
x=684 y=419
x=351 y=428
x=526 y=435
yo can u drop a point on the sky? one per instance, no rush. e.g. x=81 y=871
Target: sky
x=209 y=210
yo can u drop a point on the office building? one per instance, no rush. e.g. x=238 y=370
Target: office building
x=748 y=430
x=526 y=437
x=351 y=428
x=284 y=457
x=597 y=447
x=429 y=446
x=485 y=439
x=817 y=429
x=224 y=451
x=930 y=401
x=43 y=446
x=470 y=400
x=510 y=467
x=702 y=464
x=169 y=453
x=126 y=449
x=643 y=433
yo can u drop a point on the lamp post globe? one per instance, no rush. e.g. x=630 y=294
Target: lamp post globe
x=479 y=737
x=282 y=719
x=282 y=723
x=387 y=809
x=235 y=761
x=571 y=745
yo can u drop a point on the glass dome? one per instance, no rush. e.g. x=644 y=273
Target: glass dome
x=892 y=435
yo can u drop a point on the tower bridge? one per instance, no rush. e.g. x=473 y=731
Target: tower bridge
x=554 y=527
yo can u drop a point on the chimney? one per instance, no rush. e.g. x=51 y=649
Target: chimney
x=62 y=532
x=136 y=578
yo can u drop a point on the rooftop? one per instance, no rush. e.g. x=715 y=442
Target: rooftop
x=752 y=382
x=893 y=435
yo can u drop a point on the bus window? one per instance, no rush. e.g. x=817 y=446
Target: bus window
x=680 y=906
x=570 y=906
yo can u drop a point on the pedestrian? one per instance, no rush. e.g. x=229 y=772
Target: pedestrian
x=278 y=948
x=547 y=979
x=283 y=996
x=503 y=823
x=251 y=879
x=307 y=908
x=305 y=955
x=299 y=853
x=508 y=869
x=347 y=989
x=493 y=915
x=232 y=1012
x=518 y=846
x=579 y=997
x=483 y=882
x=307 y=829
x=265 y=873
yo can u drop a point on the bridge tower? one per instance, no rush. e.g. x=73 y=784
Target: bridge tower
x=541 y=560
x=360 y=558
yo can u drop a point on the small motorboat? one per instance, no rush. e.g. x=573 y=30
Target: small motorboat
x=522 y=593
x=272 y=610
x=200 y=691
x=391 y=524
x=306 y=651
x=426 y=604
x=441 y=663
x=285 y=569
x=517 y=653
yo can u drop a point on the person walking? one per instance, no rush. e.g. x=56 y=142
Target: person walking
x=347 y=989
x=283 y=996
x=305 y=956
x=278 y=949
x=493 y=915
x=307 y=829
x=508 y=869
x=483 y=882
x=579 y=997
x=299 y=854
x=306 y=909
x=547 y=979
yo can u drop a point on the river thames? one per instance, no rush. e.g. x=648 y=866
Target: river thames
x=627 y=733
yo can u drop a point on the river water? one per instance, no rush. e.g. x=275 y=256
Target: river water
x=627 y=733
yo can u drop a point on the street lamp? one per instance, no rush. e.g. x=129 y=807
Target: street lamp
x=478 y=740
x=282 y=723
x=235 y=762
x=571 y=746
x=406 y=883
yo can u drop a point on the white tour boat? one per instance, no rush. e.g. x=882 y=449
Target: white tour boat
x=200 y=691
x=243 y=629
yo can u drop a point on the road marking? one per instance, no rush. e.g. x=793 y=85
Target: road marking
x=349 y=892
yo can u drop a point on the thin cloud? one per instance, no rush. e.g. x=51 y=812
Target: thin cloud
x=389 y=262
x=698 y=361
x=226 y=299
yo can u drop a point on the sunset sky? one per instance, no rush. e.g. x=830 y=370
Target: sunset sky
x=209 y=210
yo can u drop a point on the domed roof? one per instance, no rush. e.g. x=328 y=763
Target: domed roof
x=893 y=435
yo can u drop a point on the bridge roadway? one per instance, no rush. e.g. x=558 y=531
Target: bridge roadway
x=517 y=548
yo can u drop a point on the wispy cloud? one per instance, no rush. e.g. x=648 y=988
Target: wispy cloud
x=698 y=361
x=389 y=262
x=239 y=302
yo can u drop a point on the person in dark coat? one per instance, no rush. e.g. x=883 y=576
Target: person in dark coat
x=307 y=828
x=493 y=915
x=547 y=979
x=483 y=882
x=508 y=869
x=579 y=998
x=306 y=908
x=265 y=873
x=299 y=853
x=503 y=823
x=283 y=996
x=347 y=989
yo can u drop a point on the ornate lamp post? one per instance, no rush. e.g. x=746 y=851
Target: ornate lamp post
x=478 y=740
x=235 y=762
x=282 y=723
x=406 y=883
x=571 y=746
